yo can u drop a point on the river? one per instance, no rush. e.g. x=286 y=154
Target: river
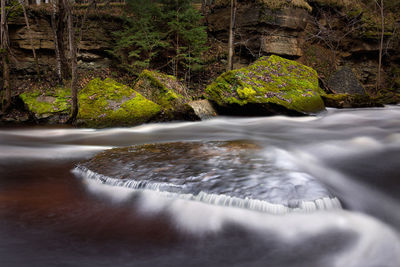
x=263 y=191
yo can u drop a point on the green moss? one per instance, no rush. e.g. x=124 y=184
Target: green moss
x=246 y=93
x=109 y=103
x=163 y=89
x=269 y=80
x=45 y=104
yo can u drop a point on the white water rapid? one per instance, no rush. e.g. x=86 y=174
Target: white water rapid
x=268 y=191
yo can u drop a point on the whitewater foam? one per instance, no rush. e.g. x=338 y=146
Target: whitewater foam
x=173 y=191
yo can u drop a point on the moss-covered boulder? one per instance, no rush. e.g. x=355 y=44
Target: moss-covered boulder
x=166 y=91
x=160 y=88
x=51 y=105
x=270 y=85
x=109 y=103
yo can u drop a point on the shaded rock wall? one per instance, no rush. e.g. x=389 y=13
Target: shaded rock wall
x=260 y=30
x=347 y=37
x=96 y=40
x=281 y=27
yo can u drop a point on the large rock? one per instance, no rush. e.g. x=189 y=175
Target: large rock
x=97 y=37
x=163 y=89
x=345 y=82
x=282 y=45
x=271 y=85
x=101 y=104
x=210 y=172
x=270 y=27
x=256 y=15
x=52 y=106
x=203 y=109
x=108 y=103
x=347 y=91
x=168 y=92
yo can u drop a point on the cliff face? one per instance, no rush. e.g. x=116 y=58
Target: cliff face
x=323 y=34
x=96 y=40
x=262 y=30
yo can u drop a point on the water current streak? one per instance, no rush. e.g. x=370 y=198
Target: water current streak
x=172 y=191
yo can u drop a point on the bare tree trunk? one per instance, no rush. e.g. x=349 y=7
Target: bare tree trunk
x=73 y=59
x=177 y=56
x=177 y=47
x=6 y=82
x=378 y=81
x=92 y=3
x=61 y=29
x=57 y=23
x=204 y=10
x=22 y=3
x=56 y=46
x=231 y=36
x=4 y=49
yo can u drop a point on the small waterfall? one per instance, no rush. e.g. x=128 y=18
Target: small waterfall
x=173 y=191
x=203 y=109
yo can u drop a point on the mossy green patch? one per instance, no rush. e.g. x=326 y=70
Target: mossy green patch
x=48 y=103
x=160 y=88
x=109 y=103
x=272 y=80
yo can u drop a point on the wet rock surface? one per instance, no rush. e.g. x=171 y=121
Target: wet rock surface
x=234 y=173
x=345 y=82
x=203 y=109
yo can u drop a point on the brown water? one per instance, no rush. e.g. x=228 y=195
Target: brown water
x=50 y=217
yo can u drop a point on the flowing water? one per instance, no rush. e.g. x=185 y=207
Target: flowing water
x=270 y=191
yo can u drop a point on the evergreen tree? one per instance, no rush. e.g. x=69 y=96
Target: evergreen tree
x=184 y=33
x=141 y=39
x=166 y=32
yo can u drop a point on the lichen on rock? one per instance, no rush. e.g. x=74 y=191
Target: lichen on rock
x=109 y=103
x=49 y=103
x=160 y=88
x=273 y=81
x=166 y=91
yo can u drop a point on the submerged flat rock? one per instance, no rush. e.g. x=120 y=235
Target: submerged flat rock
x=222 y=173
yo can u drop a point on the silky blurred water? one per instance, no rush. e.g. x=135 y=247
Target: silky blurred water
x=51 y=217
